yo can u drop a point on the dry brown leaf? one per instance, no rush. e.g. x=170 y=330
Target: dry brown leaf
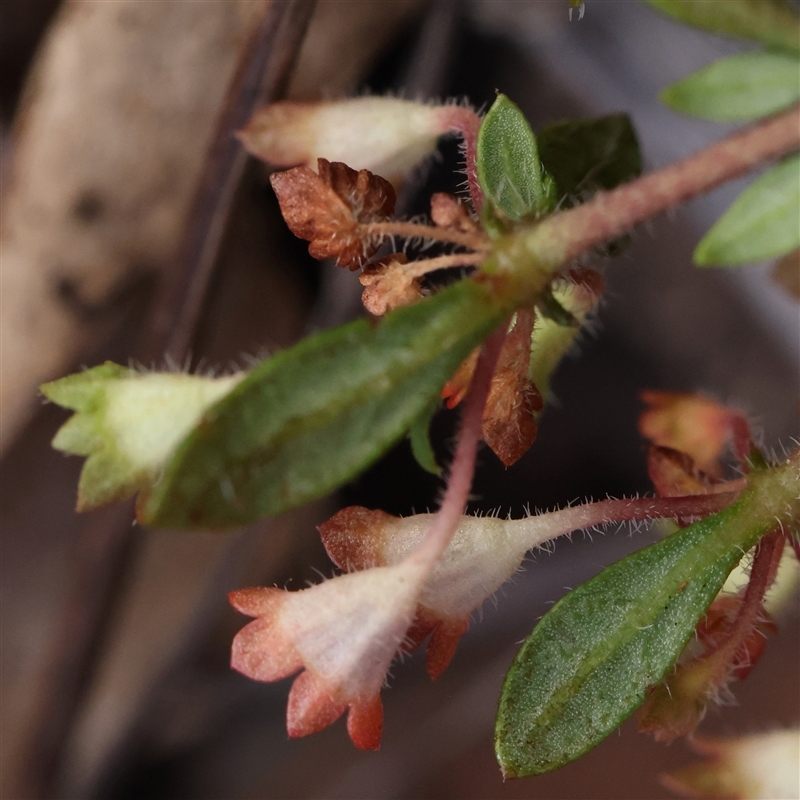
x=509 y=421
x=328 y=209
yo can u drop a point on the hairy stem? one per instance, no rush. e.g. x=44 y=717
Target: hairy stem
x=463 y=467
x=533 y=255
x=467 y=123
x=413 y=230
x=536 y=530
x=416 y=269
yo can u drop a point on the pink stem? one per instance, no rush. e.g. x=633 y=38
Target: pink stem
x=765 y=567
x=467 y=123
x=536 y=530
x=414 y=230
x=643 y=508
x=611 y=214
x=462 y=468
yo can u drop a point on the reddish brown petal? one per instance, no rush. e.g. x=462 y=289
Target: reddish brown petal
x=312 y=706
x=456 y=388
x=368 y=196
x=328 y=209
x=365 y=723
x=313 y=211
x=420 y=629
x=257 y=601
x=442 y=646
x=263 y=652
x=353 y=537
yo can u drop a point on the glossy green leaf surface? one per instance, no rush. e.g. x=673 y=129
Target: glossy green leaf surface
x=589 y=662
x=744 y=86
x=585 y=155
x=774 y=23
x=310 y=418
x=762 y=222
x=508 y=161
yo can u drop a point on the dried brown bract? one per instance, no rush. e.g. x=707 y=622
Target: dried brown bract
x=329 y=209
x=388 y=285
x=509 y=421
x=674 y=473
x=449 y=212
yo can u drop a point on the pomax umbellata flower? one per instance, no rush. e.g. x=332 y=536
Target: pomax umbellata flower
x=385 y=135
x=344 y=632
x=483 y=554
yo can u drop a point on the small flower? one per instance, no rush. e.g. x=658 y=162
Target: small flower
x=344 y=632
x=695 y=425
x=128 y=424
x=382 y=134
x=482 y=556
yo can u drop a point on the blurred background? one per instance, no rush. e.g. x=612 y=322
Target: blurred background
x=115 y=639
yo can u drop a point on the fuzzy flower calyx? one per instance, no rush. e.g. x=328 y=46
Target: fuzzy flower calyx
x=128 y=423
x=382 y=134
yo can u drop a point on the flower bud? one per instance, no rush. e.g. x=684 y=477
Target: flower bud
x=128 y=423
x=385 y=135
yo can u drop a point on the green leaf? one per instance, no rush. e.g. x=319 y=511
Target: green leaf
x=312 y=417
x=774 y=23
x=762 y=222
x=554 y=332
x=584 y=155
x=128 y=423
x=744 y=86
x=589 y=662
x=421 y=441
x=508 y=162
